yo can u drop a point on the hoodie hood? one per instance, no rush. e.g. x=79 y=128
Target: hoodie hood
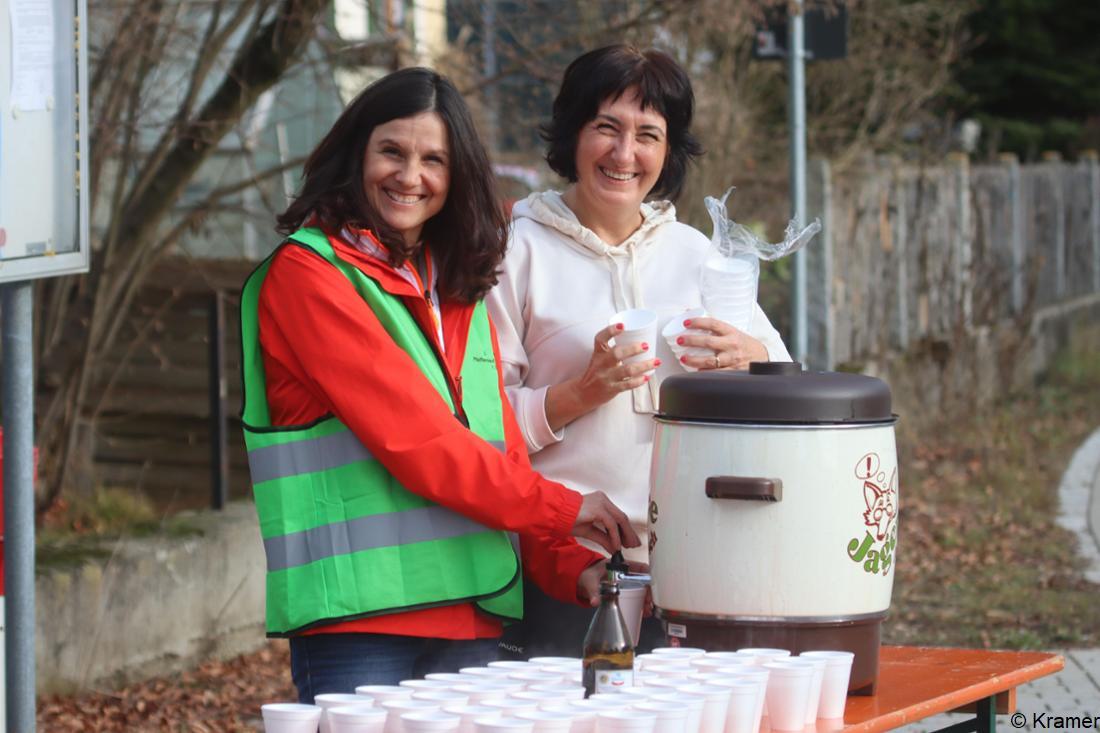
x=548 y=209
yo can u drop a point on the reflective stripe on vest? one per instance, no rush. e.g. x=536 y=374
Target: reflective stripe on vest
x=343 y=538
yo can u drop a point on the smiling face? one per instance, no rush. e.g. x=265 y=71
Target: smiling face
x=406 y=172
x=620 y=153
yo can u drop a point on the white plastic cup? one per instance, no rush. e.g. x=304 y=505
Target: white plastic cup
x=834 y=683
x=693 y=704
x=563 y=690
x=512 y=664
x=479 y=692
x=670 y=683
x=444 y=697
x=455 y=678
x=356 y=719
x=639 y=327
x=539 y=697
x=548 y=721
x=671 y=717
x=759 y=675
x=565 y=661
x=503 y=724
x=510 y=705
x=328 y=700
x=716 y=704
x=431 y=721
x=679 y=651
x=381 y=693
x=624 y=698
x=486 y=672
x=675 y=328
x=742 y=715
x=763 y=655
x=720 y=659
x=395 y=708
x=584 y=718
x=814 y=697
x=625 y=720
x=536 y=677
x=426 y=684
x=290 y=717
x=788 y=693
x=469 y=713
x=632 y=603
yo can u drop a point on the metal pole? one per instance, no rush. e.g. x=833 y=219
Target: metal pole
x=796 y=116
x=18 y=406
x=218 y=388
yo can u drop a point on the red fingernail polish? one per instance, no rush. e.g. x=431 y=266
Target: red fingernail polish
x=687 y=322
x=645 y=347
x=656 y=362
x=647 y=378
x=683 y=360
x=680 y=341
x=619 y=326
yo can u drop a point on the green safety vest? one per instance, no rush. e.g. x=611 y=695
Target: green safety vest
x=343 y=538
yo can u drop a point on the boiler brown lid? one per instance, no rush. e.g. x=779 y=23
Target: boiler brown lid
x=775 y=392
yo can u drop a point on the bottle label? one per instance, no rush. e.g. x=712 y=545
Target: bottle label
x=613 y=680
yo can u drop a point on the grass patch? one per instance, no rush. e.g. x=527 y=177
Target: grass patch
x=981 y=560
x=86 y=530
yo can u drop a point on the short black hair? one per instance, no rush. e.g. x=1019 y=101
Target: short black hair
x=606 y=73
x=468 y=237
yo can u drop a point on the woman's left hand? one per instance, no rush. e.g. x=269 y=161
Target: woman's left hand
x=733 y=349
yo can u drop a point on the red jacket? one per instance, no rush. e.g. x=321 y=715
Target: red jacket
x=324 y=351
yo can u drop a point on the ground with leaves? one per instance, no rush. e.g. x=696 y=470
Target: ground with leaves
x=980 y=562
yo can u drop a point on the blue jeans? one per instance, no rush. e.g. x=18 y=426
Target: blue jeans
x=341 y=662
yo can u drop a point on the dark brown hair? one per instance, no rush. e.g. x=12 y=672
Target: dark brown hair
x=605 y=74
x=467 y=237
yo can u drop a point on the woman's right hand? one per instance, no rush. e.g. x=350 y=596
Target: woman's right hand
x=605 y=376
x=604 y=523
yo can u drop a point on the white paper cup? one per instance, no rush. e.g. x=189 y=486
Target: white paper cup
x=503 y=725
x=675 y=328
x=426 y=684
x=625 y=721
x=720 y=659
x=328 y=700
x=679 y=651
x=380 y=693
x=356 y=719
x=834 y=683
x=759 y=675
x=290 y=717
x=563 y=690
x=397 y=707
x=764 y=655
x=787 y=696
x=491 y=689
x=693 y=704
x=443 y=697
x=639 y=326
x=671 y=717
x=432 y=721
x=716 y=704
x=814 y=698
x=548 y=721
x=469 y=713
x=584 y=719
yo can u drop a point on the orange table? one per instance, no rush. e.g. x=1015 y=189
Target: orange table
x=919 y=682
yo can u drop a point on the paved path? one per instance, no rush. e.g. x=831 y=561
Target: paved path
x=1075 y=691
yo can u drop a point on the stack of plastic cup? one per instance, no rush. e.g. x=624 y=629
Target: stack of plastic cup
x=834 y=684
x=329 y=700
x=356 y=719
x=290 y=717
x=729 y=289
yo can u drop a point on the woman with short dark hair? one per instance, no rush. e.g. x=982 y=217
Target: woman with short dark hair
x=387 y=467
x=621 y=136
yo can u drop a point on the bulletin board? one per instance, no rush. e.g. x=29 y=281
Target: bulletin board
x=43 y=139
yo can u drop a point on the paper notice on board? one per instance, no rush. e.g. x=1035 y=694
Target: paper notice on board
x=32 y=54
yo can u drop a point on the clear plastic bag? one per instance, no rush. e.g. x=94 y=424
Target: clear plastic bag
x=731 y=273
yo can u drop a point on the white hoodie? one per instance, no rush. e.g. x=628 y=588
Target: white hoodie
x=560 y=286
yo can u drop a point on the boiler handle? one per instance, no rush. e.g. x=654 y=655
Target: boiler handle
x=750 y=488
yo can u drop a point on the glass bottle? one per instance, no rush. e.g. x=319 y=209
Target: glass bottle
x=608 y=648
